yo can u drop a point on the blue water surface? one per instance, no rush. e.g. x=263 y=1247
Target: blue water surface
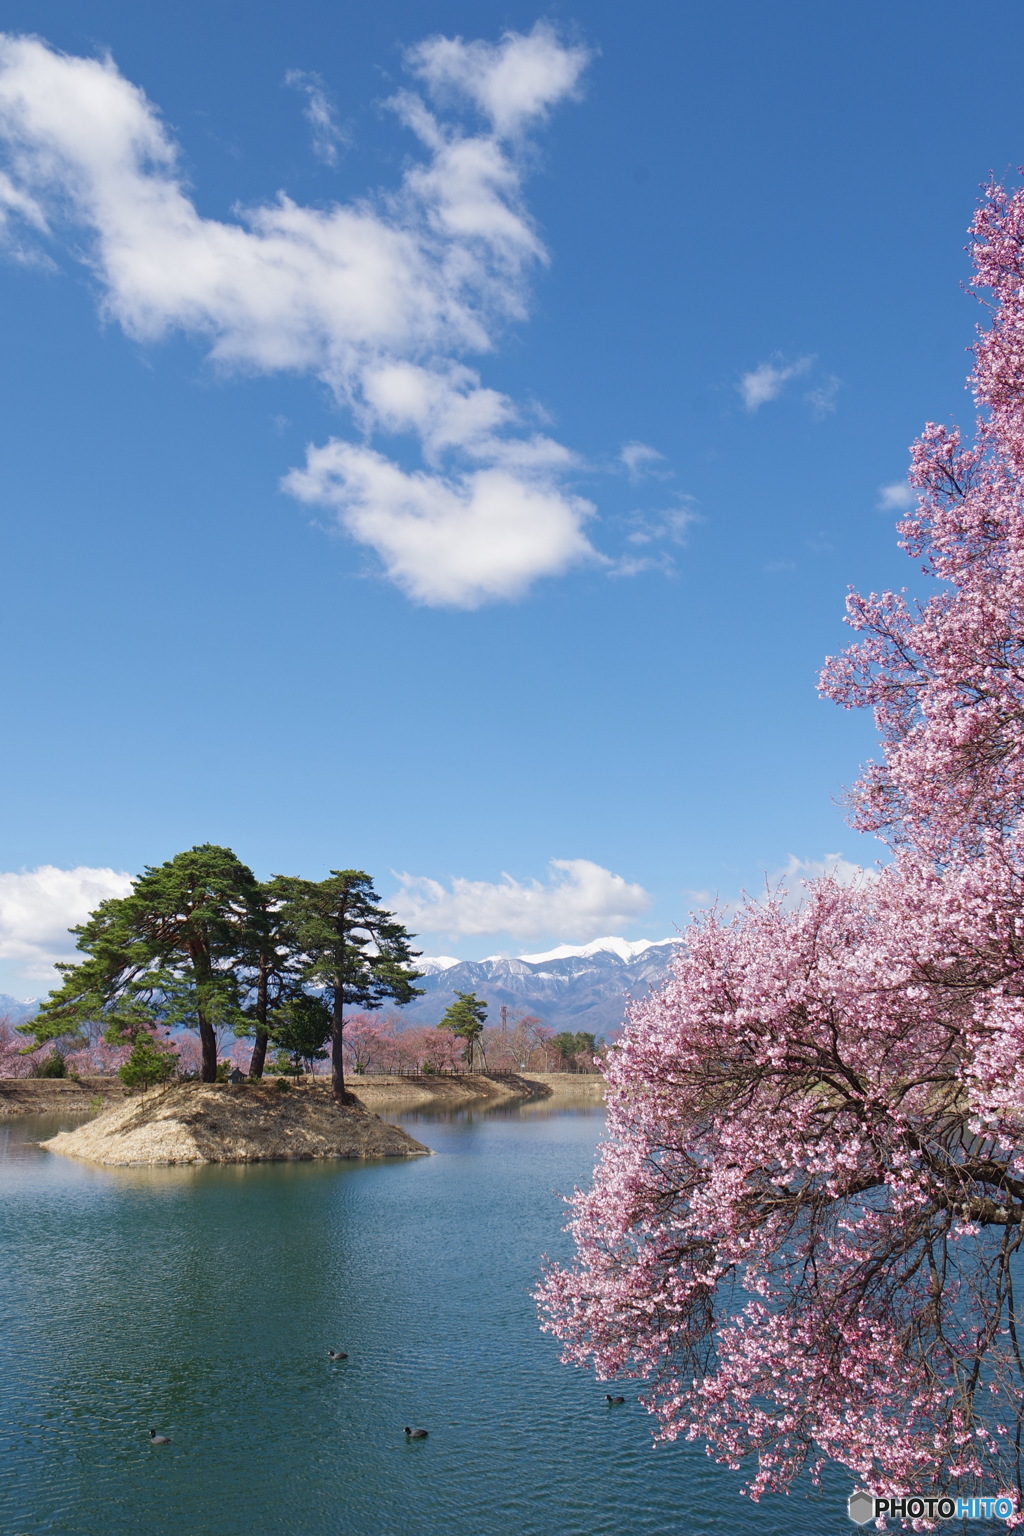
x=201 y=1302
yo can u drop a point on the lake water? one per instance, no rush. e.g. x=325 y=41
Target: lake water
x=201 y=1302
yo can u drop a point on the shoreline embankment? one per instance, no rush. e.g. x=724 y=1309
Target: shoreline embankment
x=479 y=1088
x=94 y=1095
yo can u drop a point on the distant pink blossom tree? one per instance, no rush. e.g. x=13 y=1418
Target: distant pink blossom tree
x=372 y=1043
x=13 y=1063
x=97 y=1059
x=805 y=1229
x=17 y=1060
x=427 y=1048
x=190 y=1053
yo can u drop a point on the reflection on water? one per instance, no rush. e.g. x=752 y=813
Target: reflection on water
x=201 y=1302
x=470 y=1114
x=18 y=1132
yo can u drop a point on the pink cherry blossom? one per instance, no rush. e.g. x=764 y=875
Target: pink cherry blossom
x=801 y=1230
x=803 y=1233
x=946 y=678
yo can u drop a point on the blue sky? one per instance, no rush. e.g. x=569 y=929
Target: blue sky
x=490 y=501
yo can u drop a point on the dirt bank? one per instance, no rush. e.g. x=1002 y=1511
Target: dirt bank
x=55 y=1095
x=476 y=1088
x=579 y=1087
x=222 y=1123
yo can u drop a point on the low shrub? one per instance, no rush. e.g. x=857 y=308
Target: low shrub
x=52 y=1065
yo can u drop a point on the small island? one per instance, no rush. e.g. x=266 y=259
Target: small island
x=229 y=1123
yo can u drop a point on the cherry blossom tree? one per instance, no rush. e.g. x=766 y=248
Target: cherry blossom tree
x=429 y=1049
x=946 y=679
x=13 y=1061
x=371 y=1043
x=97 y=1059
x=804 y=1225
x=521 y=1043
x=804 y=1232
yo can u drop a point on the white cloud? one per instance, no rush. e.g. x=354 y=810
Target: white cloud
x=37 y=907
x=796 y=873
x=459 y=541
x=899 y=497
x=580 y=900
x=822 y=398
x=767 y=381
x=672 y=523
x=655 y=533
x=319 y=114
x=379 y=298
x=511 y=82
x=642 y=460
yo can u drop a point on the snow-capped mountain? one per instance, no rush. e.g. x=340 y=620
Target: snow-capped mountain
x=573 y=986
x=17 y=1010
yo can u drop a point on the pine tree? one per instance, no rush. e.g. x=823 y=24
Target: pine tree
x=166 y=953
x=350 y=946
x=466 y=1018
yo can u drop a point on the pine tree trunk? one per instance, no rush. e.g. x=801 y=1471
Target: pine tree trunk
x=259 y=1054
x=337 y=1029
x=208 y=1041
x=259 y=1049
x=201 y=968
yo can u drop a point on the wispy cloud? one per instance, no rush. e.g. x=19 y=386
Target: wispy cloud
x=822 y=398
x=791 y=880
x=652 y=535
x=767 y=381
x=898 y=497
x=37 y=907
x=671 y=524
x=380 y=298
x=796 y=874
x=579 y=901
x=319 y=113
x=642 y=461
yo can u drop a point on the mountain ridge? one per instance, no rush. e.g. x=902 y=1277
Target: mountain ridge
x=575 y=987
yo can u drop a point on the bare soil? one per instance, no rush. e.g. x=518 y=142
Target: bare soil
x=229 y=1123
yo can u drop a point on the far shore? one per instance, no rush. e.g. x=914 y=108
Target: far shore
x=93 y=1095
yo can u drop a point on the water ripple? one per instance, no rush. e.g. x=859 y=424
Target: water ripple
x=201 y=1302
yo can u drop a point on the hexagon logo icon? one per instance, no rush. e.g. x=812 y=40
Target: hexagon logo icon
x=860 y=1508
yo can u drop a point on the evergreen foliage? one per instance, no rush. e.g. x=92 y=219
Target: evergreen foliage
x=351 y=947
x=199 y=943
x=466 y=1018
x=299 y=1028
x=149 y=1063
x=166 y=953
